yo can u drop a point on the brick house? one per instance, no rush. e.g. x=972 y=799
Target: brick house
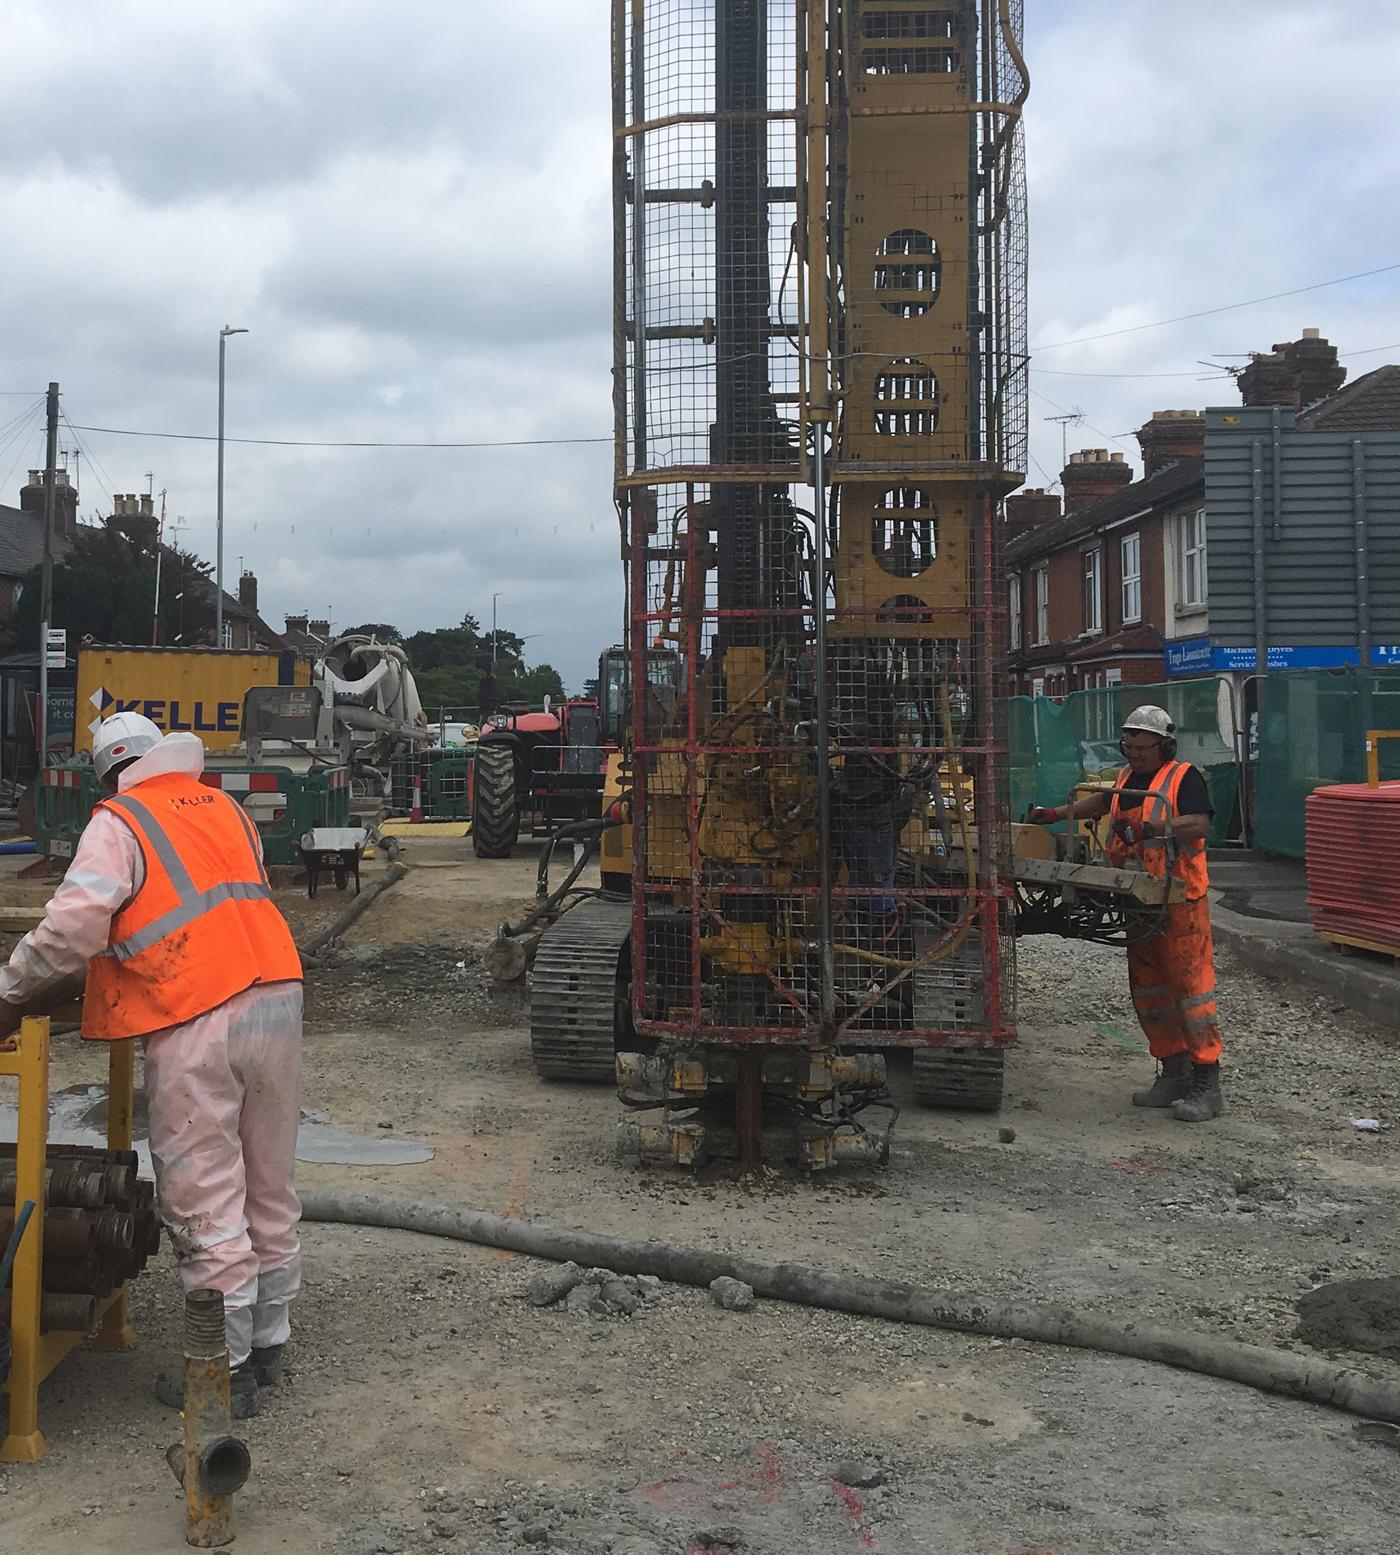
x=22 y=534
x=1089 y=591
x=1111 y=587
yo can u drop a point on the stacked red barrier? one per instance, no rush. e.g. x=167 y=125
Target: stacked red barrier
x=1353 y=857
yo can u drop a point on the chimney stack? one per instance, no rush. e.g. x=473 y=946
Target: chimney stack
x=319 y=628
x=248 y=591
x=148 y=505
x=1296 y=373
x=1027 y=509
x=65 y=501
x=1169 y=437
x=297 y=624
x=1091 y=475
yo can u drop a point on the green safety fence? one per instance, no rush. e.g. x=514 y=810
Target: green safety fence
x=1311 y=731
x=1056 y=744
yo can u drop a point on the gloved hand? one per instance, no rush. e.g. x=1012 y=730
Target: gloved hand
x=1132 y=830
x=1042 y=815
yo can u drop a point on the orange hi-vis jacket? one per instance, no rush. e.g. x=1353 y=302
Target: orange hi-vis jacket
x=203 y=925
x=1159 y=806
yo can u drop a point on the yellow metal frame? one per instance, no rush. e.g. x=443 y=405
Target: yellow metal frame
x=1373 y=753
x=34 y=1354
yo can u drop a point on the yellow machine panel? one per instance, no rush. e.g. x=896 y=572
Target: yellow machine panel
x=199 y=689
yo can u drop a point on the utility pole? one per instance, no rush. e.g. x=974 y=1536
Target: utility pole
x=224 y=333
x=160 y=547
x=494 y=639
x=46 y=575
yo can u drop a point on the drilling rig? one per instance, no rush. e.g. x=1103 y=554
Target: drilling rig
x=819 y=383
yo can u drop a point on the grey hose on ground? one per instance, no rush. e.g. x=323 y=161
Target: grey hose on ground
x=1270 y=1371
x=357 y=904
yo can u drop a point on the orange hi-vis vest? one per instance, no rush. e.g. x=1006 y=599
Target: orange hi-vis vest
x=202 y=927
x=1159 y=806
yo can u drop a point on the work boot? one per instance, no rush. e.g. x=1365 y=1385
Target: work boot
x=1173 y=1083
x=243 y=1399
x=267 y=1365
x=1204 y=1100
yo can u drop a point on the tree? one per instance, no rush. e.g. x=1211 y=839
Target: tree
x=455 y=666
x=380 y=629
x=105 y=589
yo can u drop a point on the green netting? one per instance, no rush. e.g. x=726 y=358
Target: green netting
x=1312 y=730
x=1056 y=744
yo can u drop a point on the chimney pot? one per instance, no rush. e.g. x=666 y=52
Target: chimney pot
x=1295 y=373
x=1169 y=436
x=1092 y=474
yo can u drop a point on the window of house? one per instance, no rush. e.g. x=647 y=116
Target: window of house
x=1191 y=589
x=1042 y=604
x=1113 y=677
x=1014 y=607
x=1038 y=686
x=1093 y=590
x=1131 y=551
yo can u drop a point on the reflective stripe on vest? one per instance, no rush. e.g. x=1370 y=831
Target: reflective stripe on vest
x=192 y=904
x=1189 y=866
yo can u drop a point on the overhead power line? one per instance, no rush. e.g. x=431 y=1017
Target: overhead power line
x=1229 y=307
x=307 y=442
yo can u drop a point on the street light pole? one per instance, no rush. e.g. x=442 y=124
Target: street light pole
x=224 y=333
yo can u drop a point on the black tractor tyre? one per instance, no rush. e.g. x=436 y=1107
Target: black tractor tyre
x=495 y=811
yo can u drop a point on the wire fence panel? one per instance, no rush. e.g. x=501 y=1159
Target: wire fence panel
x=820 y=381
x=1312 y=731
x=1058 y=743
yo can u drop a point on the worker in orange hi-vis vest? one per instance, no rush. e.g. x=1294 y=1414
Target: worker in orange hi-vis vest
x=166 y=908
x=1159 y=814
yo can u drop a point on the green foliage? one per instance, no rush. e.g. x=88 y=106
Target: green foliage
x=105 y=589
x=380 y=629
x=450 y=663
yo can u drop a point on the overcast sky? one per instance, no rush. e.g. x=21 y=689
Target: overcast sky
x=408 y=209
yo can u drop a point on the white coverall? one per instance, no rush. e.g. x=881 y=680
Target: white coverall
x=221 y=1090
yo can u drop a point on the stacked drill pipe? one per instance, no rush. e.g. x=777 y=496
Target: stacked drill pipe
x=100 y=1228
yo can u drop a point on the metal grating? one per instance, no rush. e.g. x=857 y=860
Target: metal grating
x=820 y=381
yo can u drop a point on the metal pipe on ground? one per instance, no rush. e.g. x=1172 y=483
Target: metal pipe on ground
x=211 y=1463
x=1282 y=1372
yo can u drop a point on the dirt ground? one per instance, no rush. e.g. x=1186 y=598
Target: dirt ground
x=429 y=1406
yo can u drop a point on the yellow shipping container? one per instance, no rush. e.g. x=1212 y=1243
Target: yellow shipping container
x=200 y=689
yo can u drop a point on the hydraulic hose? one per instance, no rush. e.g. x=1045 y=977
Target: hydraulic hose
x=1270 y=1371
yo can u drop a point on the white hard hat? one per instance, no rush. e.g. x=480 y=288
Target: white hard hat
x=1150 y=720
x=123 y=737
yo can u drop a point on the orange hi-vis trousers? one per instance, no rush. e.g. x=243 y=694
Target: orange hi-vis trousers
x=1172 y=979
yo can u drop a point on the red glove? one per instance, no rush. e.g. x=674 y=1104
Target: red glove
x=1042 y=815
x=1133 y=831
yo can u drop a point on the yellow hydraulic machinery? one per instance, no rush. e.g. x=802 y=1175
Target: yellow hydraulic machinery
x=819 y=369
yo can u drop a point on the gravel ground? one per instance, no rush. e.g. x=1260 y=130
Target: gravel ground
x=430 y=1405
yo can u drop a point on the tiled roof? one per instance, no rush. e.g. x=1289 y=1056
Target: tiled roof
x=1371 y=404
x=22 y=542
x=1167 y=485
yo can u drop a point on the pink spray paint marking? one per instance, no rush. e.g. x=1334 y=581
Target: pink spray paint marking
x=856 y=1511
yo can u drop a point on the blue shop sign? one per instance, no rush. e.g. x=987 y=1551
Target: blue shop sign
x=1190 y=656
x=1199 y=656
